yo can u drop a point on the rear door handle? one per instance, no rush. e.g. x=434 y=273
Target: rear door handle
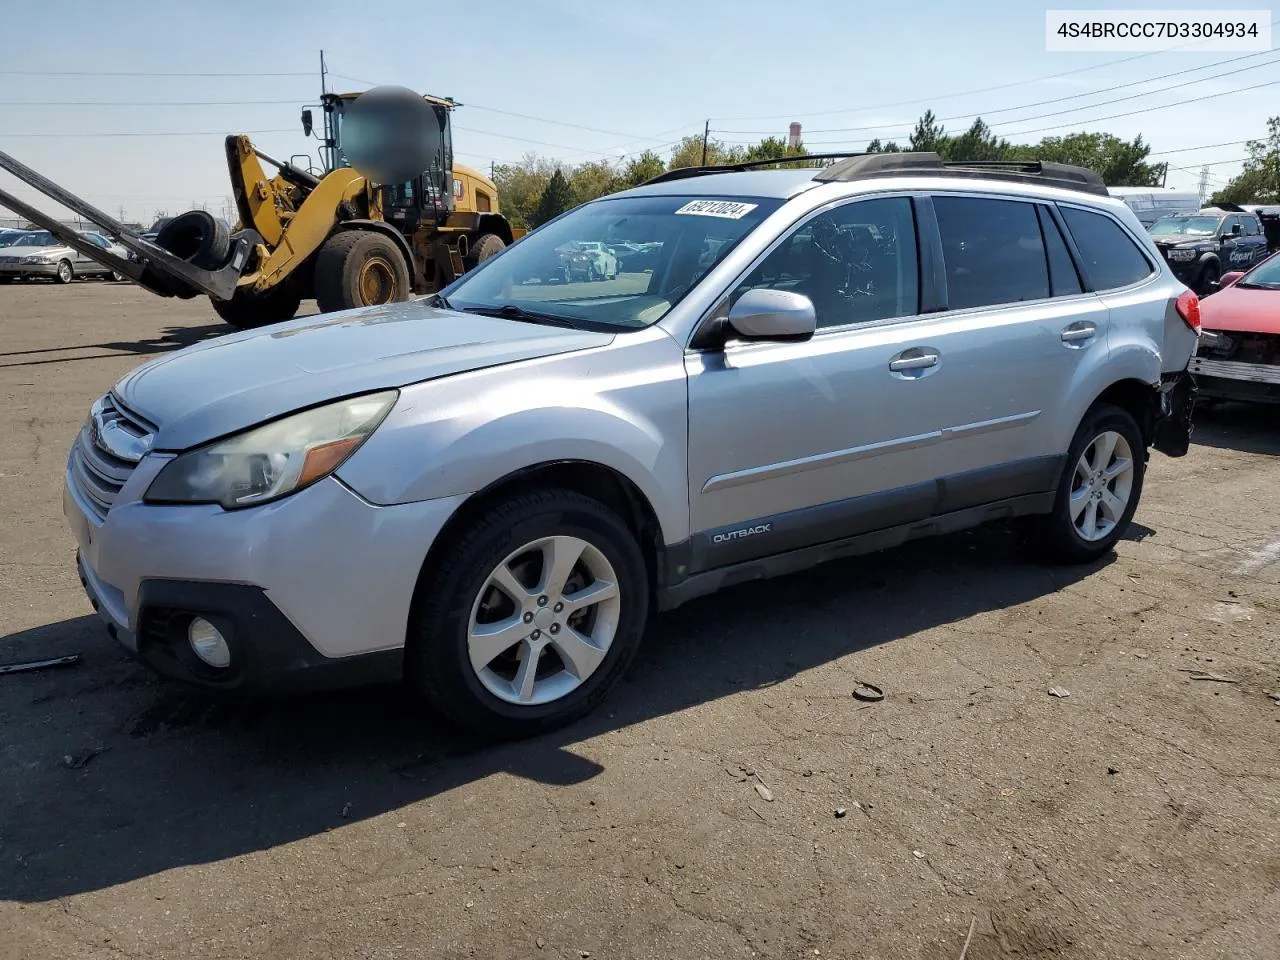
x=1077 y=332
x=918 y=361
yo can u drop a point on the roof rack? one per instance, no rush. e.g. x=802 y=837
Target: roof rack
x=682 y=173
x=871 y=165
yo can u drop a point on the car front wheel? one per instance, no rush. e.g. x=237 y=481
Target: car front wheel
x=531 y=618
x=1099 y=489
x=65 y=273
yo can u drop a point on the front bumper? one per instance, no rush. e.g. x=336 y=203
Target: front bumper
x=28 y=269
x=312 y=590
x=1237 y=380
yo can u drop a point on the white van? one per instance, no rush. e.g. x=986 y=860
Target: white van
x=1152 y=203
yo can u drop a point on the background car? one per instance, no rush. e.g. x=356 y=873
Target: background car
x=1239 y=353
x=592 y=260
x=39 y=253
x=1201 y=247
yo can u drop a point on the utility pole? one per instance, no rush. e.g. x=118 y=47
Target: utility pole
x=323 y=88
x=1164 y=176
x=1204 y=184
x=706 y=132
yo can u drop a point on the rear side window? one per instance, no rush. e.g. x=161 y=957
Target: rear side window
x=1110 y=257
x=993 y=251
x=1063 y=279
x=1251 y=226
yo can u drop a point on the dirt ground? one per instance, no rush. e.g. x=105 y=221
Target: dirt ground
x=1137 y=818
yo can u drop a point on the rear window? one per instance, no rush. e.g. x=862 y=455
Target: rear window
x=1110 y=257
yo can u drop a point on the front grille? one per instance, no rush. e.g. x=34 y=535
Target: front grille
x=9 y=259
x=98 y=471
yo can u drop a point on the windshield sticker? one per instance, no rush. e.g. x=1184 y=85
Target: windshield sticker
x=724 y=209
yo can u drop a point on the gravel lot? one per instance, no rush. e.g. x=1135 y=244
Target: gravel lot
x=1138 y=817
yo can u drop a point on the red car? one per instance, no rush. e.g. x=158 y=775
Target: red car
x=1239 y=353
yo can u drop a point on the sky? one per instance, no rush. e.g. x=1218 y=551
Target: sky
x=577 y=80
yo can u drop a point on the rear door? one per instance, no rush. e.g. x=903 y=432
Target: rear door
x=1251 y=244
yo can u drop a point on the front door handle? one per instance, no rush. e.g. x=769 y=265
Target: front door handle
x=913 y=360
x=1078 y=332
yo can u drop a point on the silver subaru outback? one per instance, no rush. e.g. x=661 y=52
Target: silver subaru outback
x=487 y=492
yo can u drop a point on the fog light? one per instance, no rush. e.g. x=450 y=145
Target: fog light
x=208 y=643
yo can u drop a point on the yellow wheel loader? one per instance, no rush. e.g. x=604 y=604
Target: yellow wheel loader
x=338 y=236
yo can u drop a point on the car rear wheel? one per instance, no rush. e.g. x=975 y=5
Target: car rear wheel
x=531 y=618
x=1099 y=488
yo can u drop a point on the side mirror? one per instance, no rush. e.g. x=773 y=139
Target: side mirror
x=306 y=123
x=1235 y=229
x=773 y=315
x=1227 y=279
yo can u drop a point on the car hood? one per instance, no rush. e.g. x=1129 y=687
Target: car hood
x=226 y=384
x=1244 y=310
x=1165 y=243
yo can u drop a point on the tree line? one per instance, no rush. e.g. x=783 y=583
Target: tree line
x=537 y=189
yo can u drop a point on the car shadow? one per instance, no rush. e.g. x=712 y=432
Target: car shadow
x=173 y=338
x=1246 y=427
x=118 y=775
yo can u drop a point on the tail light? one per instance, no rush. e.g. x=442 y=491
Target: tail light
x=1188 y=306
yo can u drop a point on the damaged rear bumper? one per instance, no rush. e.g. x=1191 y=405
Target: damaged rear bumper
x=1172 y=429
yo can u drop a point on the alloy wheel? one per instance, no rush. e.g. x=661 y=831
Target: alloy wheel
x=1101 y=486
x=544 y=620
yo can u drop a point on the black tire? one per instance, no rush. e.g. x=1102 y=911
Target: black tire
x=1056 y=538
x=1209 y=275
x=488 y=245
x=437 y=662
x=359 y=268
x=66 y=272
x=245 y=310
x=197 y=237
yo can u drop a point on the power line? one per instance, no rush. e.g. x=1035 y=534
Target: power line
x=1072 y=123
x=1207 y=146
x=142 y=103
x=135 y=73
x=166 y=133
x=1077 y=96
x=966 y=93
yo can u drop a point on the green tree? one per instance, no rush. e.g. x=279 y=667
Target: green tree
x=555 y=199
x=1120 y=163
x=976 y=143
x=639 y=169
x=521 y=185
x=928 y=134
x=591 y=180
x=688 y=153
x=1259 y=182
x=875 y=146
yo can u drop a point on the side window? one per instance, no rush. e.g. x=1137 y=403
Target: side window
x=1110 y=257
x=856 y=262
x=993 y=251
x=1063 y=278
x=1251 y=228
x=1229 y=225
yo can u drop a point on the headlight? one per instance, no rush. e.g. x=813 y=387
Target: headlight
x=273 y=460
x=37 y=259
x=1182 y=254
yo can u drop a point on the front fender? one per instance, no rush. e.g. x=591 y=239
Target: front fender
x=623 y=407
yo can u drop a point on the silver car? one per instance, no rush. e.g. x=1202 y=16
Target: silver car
x=489 y=492
x=41 y=254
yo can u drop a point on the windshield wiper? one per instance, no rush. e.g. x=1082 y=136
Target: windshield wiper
x=509 y=311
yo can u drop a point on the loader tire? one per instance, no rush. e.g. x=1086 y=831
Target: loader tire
x=246 y=310
x=197 y=237
x=359 y=268
x=486 y=246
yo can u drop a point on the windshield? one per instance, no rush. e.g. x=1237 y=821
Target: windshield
x=8 y=239
x=40 y=239
x=1185 y=227
x=1265 y=274
x=613 y=263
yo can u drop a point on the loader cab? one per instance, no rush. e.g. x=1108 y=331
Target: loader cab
x=426 y=198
